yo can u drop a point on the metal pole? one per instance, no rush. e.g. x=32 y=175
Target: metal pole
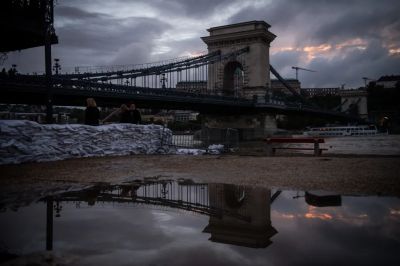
x=47 y=55
x=49 y=224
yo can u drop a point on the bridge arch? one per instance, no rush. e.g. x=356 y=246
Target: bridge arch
x=233 y=80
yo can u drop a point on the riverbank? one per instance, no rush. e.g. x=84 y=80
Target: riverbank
x=345 y=175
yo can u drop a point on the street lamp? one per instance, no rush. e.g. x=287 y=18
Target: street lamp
x=57 y=65
x=163 y=80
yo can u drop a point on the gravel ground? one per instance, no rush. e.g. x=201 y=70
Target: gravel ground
x=346 y=175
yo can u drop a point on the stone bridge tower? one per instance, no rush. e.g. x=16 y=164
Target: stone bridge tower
x=249 y=223
x=245 y=75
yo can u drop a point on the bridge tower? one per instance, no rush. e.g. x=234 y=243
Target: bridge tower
x=246 y=75
x=251 y=69
x=249 y=223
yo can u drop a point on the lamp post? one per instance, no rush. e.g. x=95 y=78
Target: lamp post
x=365 y=81
x=48 y=31
x=163 y=80
x=57 y=66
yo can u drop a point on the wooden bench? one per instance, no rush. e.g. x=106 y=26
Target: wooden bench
x=316 y=141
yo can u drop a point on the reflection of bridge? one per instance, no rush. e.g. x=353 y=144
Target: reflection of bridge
x=238 y=215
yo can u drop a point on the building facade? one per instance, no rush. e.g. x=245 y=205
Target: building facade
x=388 y=81
x=276 y=85
x=311 y=92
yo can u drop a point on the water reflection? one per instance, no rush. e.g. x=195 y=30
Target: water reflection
x=239 y=215
x=165 y=222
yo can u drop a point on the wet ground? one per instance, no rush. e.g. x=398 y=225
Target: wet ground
x=182 y=222
x=237 y=209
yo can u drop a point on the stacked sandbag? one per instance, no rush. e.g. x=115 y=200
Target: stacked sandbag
x=27 y=141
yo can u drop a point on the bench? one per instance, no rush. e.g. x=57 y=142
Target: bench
x=316 y=141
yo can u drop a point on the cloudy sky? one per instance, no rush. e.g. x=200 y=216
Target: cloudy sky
x=343 y=40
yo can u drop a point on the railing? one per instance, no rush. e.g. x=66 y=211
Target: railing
x=205 y=138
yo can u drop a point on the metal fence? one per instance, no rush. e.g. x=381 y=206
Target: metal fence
x=204 y=138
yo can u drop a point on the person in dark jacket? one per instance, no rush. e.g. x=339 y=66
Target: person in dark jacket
x=125 y=115
x=92 y=113
x=136 y=117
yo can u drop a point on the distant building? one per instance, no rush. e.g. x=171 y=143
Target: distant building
x=311 y=92
x=192 y=86
x=388 y=81
x=276 y=85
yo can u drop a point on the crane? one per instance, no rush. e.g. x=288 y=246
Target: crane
x=300 y=68
x=365 y=80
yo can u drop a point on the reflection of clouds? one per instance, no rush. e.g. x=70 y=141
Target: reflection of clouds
x=161 y=216
x=395 y=212
x=355 y=210
x=322 y=216
x=365 y=230
x=363 y=225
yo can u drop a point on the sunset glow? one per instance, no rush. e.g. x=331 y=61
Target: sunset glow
x=395 y=51
x=352 y=43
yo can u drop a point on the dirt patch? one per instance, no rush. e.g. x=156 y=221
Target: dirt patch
x=365 y=175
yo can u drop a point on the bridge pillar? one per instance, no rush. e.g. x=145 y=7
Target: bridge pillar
x=245 y=75
x=354 y=102
x=250 y=127
x=246 y=220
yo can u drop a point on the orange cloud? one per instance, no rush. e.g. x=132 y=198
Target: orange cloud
x=357 y=43
x=317 y=49
x=322 y=216
x=314 y=51
x=394 y=212
x=394 y=51
x=284 y=49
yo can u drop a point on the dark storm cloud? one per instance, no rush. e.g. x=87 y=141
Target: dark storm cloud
x=374 y=24
x=326 y=20
x=106 y=37
x=93 y=38
x=129 y=32
x=284 y=60
x=372 y=62
x=75 y=13
x=189 y=8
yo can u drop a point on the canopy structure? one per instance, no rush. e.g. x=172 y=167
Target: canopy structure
x=23 y=24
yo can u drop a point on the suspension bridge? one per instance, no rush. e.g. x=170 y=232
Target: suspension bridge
x=173 y=84
x=232 y=78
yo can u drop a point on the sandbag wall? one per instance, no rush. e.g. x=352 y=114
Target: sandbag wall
x=27 y=141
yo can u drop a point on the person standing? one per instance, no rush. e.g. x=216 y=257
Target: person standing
x=135 y=115
x=124 y=115
x=92 y=113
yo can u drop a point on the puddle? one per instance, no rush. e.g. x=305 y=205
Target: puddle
x=186 y=223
